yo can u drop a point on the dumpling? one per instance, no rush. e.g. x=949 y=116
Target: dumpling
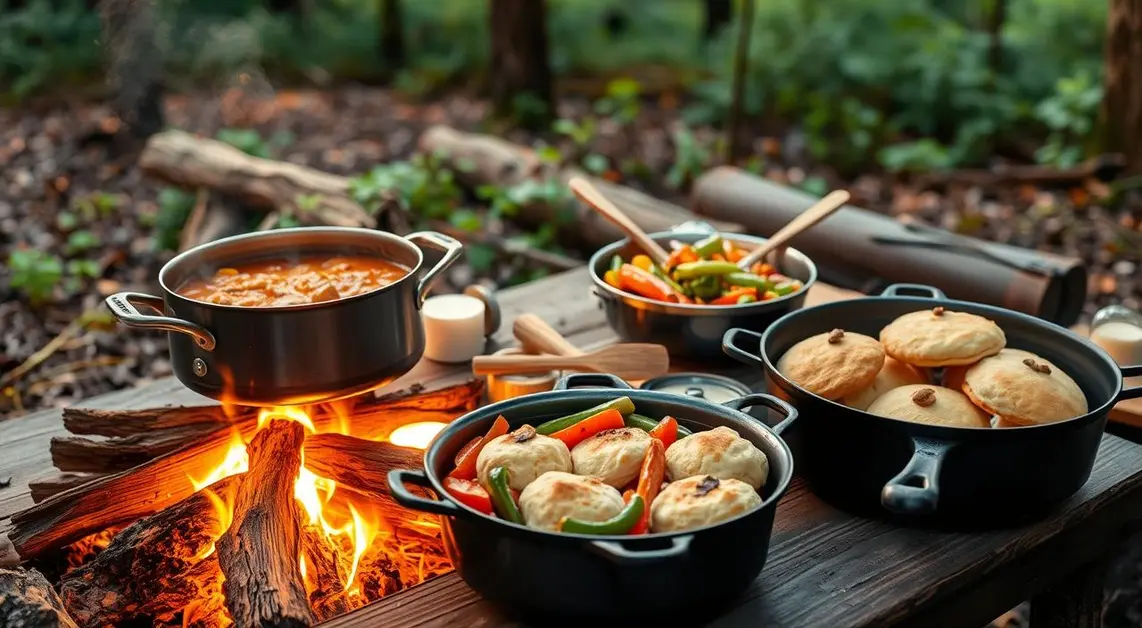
x=721 y=453
x=699 y=501
x=614 y=456
x=556 y=494
x=525 y=454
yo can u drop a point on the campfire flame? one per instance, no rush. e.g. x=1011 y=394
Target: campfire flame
x=344 y=520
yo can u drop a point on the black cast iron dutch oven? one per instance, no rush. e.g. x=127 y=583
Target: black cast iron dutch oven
x=962 y=476
x=692 y=331
x=549 y=577
x=305 y=353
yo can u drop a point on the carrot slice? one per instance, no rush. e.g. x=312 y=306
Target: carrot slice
x=577 y=433
x=466 y=467
x=666 y=431
x=650 y=480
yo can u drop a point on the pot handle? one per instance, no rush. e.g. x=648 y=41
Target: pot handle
x=397 y=480
x=598 y=380
x=452 y=249
x=1131 y=393
x=916 y=489
x=913 y=290
x=769 y=401
x=730 y=346
x=122 y=306
x=614 y=550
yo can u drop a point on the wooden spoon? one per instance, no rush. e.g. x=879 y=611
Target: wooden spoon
x=537 y=336
x=630 y=361
x=591 y=195
x=815 y=214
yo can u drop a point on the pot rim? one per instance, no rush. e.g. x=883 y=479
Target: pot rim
x=683 y=309
x=929 y=302
x=483 y=413
x=181 y=259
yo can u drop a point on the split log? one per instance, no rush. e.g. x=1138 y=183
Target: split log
x=27 y=600
x=46 y=487
x=358 y=463
x=322 y=578
x=502 y=163
x=104 y=422
x=183 y=159
x=153 y=568
x=259 y=553
x=76 y=453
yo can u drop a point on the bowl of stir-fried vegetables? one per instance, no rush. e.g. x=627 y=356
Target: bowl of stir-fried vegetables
x=699 y=293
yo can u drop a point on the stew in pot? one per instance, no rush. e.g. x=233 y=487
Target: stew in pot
x=278 y=283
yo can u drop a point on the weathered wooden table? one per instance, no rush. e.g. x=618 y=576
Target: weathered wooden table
x=826 y=568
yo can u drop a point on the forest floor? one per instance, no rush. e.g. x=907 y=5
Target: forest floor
x=65 y=174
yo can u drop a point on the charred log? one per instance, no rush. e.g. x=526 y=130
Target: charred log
x=357 y=463
x=259 y=553
x=76 y=453
x=102 y=422
x=46 y=487
x=27 y=600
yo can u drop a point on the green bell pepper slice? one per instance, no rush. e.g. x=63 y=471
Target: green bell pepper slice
x=646 y=424
x=708 y=246
x=704 y=268
x=502 y=501
x=618 y=524
x=708 y=287
x=623 y=404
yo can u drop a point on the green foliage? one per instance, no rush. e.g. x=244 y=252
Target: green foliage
x=1070 y=114
x=691 y=158
x=175 y=206
x=34 y=273
x=422 y=184
x=250 y=141
x=47 y=42
x=621 y=102
x=919 y=156
x=81 y=241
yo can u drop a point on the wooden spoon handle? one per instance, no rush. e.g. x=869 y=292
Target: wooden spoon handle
x=538 y=337
x=815 y=214
x=520 y=364
x=590 y=195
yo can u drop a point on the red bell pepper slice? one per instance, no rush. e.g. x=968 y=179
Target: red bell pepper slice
x=466 y=466
x=469 y=493
x=666 y=431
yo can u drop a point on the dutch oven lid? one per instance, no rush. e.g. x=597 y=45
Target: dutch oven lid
x=712 y=388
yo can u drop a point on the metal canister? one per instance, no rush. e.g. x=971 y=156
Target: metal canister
x=713 y=388
x=501 y=387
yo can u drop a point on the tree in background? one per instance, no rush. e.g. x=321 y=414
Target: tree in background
x=1122 y=97
x=134 y=64
x=392 y=35
x=718 y=15
x=520 y=76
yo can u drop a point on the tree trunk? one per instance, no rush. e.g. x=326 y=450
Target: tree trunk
x=520 y=75
x=134 y=65
x=719 y=13
x=996 y=16
x=392 y=36
x=1122 y=100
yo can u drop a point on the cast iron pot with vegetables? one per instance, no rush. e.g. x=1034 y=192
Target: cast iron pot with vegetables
x=964 y=476
x=548 y=576
x=694 y=330
x=305 y=352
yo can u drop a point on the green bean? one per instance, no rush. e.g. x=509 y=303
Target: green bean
x=705 y=268
x=623 y=404
x=616 y=263
x=787 y=287
x=708 y=246
x=749 y=280
x=646 y=424
x=658 y=272
x=708 y=287
x=746 y=298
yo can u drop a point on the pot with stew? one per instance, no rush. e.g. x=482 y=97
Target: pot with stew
x=294 y=315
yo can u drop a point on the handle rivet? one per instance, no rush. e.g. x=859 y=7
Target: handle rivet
x=199 y=367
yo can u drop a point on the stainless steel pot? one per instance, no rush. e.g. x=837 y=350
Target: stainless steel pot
x=293 y=354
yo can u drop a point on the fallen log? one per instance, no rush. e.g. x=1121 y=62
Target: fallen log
x=27 y=600
x=497 y=162
x=259 y=552
x=312 y=196
x=358 y=463
x=76 y=453
x=154 y=567
x=44 y=488
x=1102 y=168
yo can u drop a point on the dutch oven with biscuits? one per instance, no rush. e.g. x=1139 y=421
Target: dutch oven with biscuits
x=930 y=409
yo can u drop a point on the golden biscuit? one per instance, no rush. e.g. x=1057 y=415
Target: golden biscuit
x=1022 y=388
x=938 y=337
x=833 y=364
x=893 y=374
x=934 y=405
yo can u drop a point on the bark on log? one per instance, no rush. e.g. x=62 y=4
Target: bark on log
x=27 y=600
x=325 y=595
x=1122 y=82
x=76 y=453
x=153 y=568
x=195 y=162
x=360 y=464
x=519 y=62
x=502 y=163
x=46 y=487
x=259 y=553
x=102 y=422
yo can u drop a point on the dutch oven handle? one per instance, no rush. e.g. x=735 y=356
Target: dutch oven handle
x=788 y=412
x=398 y=478
x=731 y=348
x=122 y=306
x=916 y=489
x=452 y=249
x=913 y=290
x=616 y=552
x=1131 y=393
x=592 y=380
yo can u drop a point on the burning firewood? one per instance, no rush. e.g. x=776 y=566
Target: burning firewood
x=259 y=553
x=27 y=600
x=44 y=488
x=357 y=463
x=155 y=567
x=76 y=453
x=103 y=422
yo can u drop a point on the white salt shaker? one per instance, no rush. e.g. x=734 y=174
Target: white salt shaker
x=457 y=326
x=1118 y=330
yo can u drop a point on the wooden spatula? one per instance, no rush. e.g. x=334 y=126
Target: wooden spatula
x=591 y=195
x=537 y=336
x=631 y=361
x=815 y=214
